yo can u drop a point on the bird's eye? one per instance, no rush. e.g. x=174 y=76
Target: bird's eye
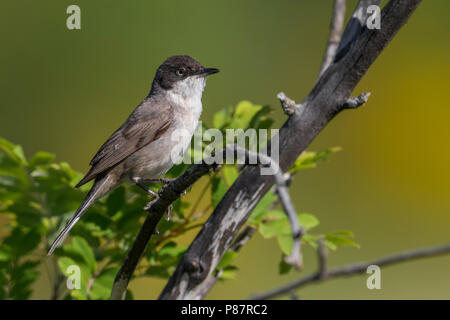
x=180 y=72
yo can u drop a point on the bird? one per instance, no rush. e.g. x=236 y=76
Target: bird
x=142 y=149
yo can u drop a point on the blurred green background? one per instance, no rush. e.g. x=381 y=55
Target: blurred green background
x=65 y=91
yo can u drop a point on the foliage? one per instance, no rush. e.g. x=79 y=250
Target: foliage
x=37 y=197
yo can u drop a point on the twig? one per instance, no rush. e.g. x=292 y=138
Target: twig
x=355 y=27
x=353 y=269
x=288 y=105
x=322 y=253
x=336 y=26
x=323 y=103
x=355 y=102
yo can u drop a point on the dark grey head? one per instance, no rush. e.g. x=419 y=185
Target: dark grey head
x=177 y=69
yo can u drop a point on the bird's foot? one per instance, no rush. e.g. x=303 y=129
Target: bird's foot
x=151 y=203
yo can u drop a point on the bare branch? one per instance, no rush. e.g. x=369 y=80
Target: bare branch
x=336 y=26
x=356 y=268
x=325 y=101
x=355 y=27
x=355 y=102
x=191 y=267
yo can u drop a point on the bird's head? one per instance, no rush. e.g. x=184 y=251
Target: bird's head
x=182 y=75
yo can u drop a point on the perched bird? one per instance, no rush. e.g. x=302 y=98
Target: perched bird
x=141 y=150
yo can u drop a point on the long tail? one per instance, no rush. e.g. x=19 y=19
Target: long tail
x=99 y=188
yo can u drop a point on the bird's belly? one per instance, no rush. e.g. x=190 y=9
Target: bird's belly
x=155 y=159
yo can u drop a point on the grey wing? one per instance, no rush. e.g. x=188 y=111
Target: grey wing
x=146 y=124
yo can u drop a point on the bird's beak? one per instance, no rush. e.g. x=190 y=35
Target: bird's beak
x=207 y=71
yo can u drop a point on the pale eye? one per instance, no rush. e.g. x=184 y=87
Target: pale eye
x=180 y=72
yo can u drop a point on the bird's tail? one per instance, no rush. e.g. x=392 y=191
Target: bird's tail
x=97 y=191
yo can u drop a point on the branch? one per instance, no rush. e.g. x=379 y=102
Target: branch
x=240 y=241
x=194 y=268
x=337 y=23
x=355 y=27
x=172 y=191
x=355 y=102
x=167 y=195
x=325 y=101
x=354 y=269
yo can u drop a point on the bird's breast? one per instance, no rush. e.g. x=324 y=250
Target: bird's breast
x=158 y=157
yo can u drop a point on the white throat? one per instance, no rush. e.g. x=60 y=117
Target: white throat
x=187 y=94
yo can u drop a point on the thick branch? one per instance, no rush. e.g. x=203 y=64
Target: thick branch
x=193 y=267
x=327 y=99
x=354 y=269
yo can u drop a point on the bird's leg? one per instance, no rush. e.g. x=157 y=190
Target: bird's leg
x=147 y=189
x=164 y=181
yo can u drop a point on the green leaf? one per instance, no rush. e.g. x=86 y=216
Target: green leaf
x=218 y=190
x=230 y=173
x=283 y=267
x=285 y=242
x=243 y=114
x=115 y=200
x=308 y=221
x=275 y=228
x=83 y=248
x=229 y=273
x=222 y=118
x=309 y=159
x=15 y=152
x=64 y=263
x=227 y=258
x=101 y=288
x=41 y=158
x=310 y=240
x=340 y=239
x=261 y=208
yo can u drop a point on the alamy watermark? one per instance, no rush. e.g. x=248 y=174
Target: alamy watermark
x=374 y=280
x=207 y=146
